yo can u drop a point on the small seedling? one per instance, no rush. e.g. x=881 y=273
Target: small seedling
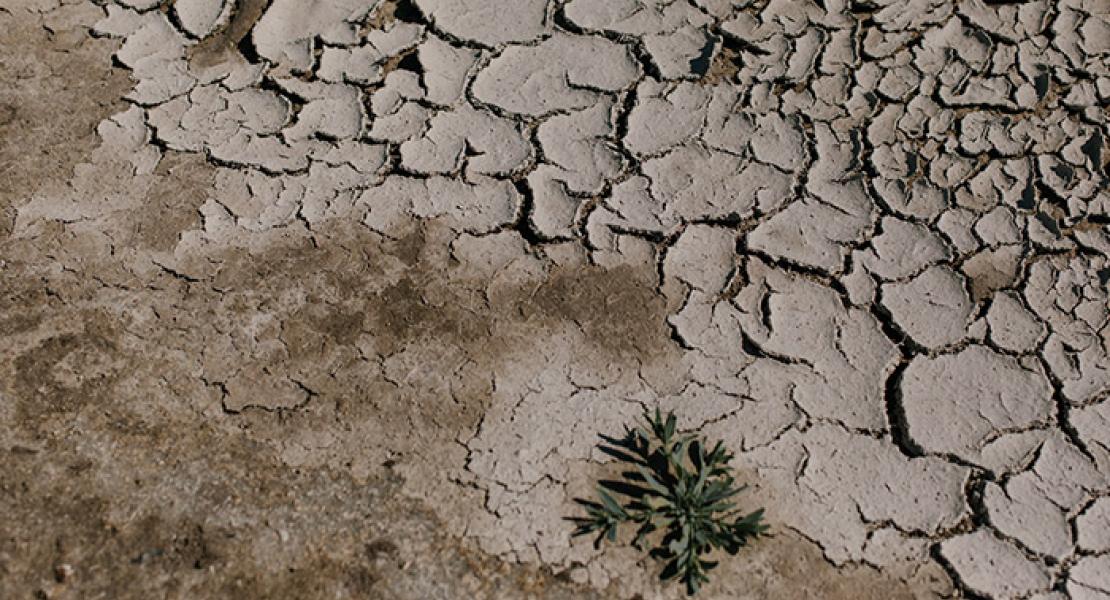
x=679 y=496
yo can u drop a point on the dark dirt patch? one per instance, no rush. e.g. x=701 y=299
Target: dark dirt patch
x=120 y=527
x=402 y=313
x=788 y=566
x=66 y=372
x=7 y=115
x=182 y=182
x=396 y=345
x=618 y=310
x=991 y=270
x=724 y=67
x=385 y=14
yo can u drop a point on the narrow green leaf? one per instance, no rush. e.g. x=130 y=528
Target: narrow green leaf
x=653 y=483
x=718 y=508
x=612 y=533
x=612 y=505
x=751 y=518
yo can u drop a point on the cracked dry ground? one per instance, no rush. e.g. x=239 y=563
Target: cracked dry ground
x=331 y=298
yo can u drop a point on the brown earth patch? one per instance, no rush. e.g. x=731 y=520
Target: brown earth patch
x=67 y=372
x=53 y=96
x=117 y=526
x=724 y=67
x=181 y=184
x=374 y=349
x=789 y=566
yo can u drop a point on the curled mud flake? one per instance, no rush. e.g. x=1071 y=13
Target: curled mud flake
x=1012 y=326
x=802 y=323
x=1022 y=511
x=1093 y=525
x=224 y=43
x=489 y=22
x=479 y=141
x=1087 y=578
x=903 y=249
x=683 y=54
x=946 y=390
x=665 y=116
x=933 y=308
x=287 y=32
x=797 y=474
x=1007 y=572
x=445 y=69
x=199 y=17
x=560 y=73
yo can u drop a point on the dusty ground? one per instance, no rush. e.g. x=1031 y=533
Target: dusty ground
x=331 y=298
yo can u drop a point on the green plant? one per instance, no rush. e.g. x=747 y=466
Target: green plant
x=679 y=496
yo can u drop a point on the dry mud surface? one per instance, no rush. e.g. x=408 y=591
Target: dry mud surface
x=332 y=298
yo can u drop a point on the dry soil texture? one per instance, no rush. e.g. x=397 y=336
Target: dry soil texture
x=332 y=298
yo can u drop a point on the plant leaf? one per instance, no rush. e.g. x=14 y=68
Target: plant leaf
x=672 y=421
x=679 y=489
x=610 y=504
x=654 y=484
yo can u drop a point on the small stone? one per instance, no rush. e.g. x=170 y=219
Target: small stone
x=63 y=573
